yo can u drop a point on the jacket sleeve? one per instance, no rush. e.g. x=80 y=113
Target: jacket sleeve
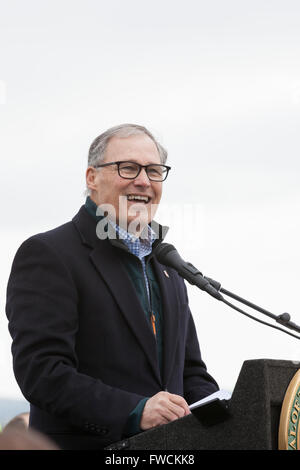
x=42 y=309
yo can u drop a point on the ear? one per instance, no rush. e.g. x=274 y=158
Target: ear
x=90 y=177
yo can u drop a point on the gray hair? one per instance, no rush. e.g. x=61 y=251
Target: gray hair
x=98 y=146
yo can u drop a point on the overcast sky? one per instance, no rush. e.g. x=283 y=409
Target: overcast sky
x=218 y=83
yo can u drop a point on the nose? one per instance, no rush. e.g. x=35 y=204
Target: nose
x=142 y=179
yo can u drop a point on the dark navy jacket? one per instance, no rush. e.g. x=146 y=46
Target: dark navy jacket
x=84 y=353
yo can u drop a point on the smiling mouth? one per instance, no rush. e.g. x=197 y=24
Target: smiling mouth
x=138 y=198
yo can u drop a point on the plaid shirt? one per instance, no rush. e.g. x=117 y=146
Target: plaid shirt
x=139 y=247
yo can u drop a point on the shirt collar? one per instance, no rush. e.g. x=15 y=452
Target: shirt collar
x=140 y=247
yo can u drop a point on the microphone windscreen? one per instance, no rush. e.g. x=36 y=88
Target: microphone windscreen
x=162 y=251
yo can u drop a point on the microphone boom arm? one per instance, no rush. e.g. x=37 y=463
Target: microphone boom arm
x=284 y=319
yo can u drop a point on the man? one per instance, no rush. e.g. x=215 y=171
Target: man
x=104 y=344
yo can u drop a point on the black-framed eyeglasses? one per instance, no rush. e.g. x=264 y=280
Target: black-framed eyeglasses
x=130 y=170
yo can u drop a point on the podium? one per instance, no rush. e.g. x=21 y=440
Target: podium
x=251 y=421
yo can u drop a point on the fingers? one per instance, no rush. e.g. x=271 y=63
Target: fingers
x=180 y=401
x=174 y=407
x=171 y=412
x=163 y=408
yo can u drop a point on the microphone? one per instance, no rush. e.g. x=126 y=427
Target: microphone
x=168 y=255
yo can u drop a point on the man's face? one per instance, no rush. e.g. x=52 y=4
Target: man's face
x=107 y=187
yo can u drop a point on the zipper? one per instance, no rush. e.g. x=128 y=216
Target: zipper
x=151 y=314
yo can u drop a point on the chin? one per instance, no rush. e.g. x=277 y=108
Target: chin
x=137 y=224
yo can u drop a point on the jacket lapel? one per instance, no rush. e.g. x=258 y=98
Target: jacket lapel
x=170 y=317
x=109 y=266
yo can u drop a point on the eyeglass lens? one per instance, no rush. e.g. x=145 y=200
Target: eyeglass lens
x=131 y=170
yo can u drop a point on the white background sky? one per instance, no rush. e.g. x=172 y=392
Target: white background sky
x=218 y=83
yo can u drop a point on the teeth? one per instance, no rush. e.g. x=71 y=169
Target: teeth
x=133 y=197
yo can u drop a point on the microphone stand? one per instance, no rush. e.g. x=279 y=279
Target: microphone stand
x=283 y=319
